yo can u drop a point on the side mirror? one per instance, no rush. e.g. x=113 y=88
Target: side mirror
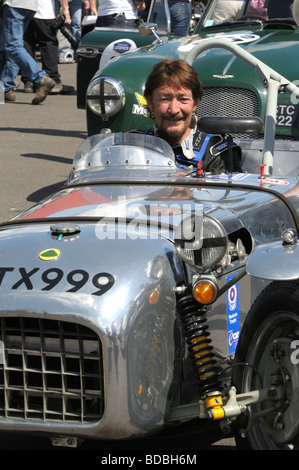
x=146 y=29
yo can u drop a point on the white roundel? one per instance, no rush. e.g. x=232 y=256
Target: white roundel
x=232 y=297
x=238 y=38
x=116 y=48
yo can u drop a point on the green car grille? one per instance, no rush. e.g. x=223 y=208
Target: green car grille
x=227 y=102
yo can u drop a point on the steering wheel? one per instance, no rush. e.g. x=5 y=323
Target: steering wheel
x=245 y=17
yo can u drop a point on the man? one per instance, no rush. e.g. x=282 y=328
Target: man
x=41 y=32
x=173 y=92
x=17 y=15
x=228 y=10
x=180 y=16
x=8 y=69
x=119 y=12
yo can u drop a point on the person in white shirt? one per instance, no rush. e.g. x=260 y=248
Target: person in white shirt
x=228 y=10
x=119 y=12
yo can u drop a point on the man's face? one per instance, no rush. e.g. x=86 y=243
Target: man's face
x=172 y=108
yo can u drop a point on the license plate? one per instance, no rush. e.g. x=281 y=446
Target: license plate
x=286 y=115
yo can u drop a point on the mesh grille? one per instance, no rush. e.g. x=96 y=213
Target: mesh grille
x=227 y=102
x=52 y=370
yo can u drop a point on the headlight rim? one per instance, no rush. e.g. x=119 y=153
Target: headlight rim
x=179 y=245
x=121 y=97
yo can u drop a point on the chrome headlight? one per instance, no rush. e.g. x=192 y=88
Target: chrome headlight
x=206 y=249
x=105 y=97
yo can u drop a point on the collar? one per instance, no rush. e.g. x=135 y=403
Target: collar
x=186 y=146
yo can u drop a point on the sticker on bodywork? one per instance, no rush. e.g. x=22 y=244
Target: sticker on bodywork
x=233 y=317
x=141 y=107
x=240 y=38
x=274 y=181
x=49 y=254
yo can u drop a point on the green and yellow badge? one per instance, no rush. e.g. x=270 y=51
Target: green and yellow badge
x=49 y=254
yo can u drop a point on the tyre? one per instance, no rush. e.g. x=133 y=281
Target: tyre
x=267 y=356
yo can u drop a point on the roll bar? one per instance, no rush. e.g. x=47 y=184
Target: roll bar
x=271 y=80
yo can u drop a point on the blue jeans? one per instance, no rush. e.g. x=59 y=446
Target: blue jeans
x=180 y=13
x=75 y=7
x=15 y=23
x=8 y=68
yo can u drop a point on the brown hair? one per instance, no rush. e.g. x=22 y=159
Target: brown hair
x=177 y=73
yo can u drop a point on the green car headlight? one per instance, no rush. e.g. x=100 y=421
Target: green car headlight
x=105 y=97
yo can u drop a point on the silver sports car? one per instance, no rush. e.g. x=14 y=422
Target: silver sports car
x=142 y=298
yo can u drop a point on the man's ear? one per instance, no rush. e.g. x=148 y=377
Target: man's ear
x=195 y=104
x=149 y=103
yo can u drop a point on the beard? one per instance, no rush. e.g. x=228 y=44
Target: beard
x=174 y=135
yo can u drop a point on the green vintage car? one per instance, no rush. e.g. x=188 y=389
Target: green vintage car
x=99 y=45
x=94 y=51
x=115 y=95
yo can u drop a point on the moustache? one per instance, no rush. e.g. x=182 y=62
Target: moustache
x=175 y=118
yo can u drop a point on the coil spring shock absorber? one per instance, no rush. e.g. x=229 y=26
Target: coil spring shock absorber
x=199 y=346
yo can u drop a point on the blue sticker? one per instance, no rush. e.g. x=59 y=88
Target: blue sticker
x=122 y=46
x=233 y=318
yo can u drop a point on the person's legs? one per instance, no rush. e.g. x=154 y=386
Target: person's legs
x=180 y=13
x=75 y=7
x=15 y=22
x=8 y=68
x=2 y=50
x=30 y=43
x=48 y=43
x=29 y=38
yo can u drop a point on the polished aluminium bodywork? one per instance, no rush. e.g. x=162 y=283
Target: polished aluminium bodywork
x=96 y=285
x=114 y=228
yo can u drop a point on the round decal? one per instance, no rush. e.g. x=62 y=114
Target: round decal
x=232 y=297
x=274 y=181
x=49 y=254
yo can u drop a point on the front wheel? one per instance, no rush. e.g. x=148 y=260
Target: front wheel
x=267 y=356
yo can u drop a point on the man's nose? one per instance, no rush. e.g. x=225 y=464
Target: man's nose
x=174 y=106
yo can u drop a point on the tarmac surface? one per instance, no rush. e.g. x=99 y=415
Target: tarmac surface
x=38 y=144
x=37 y=147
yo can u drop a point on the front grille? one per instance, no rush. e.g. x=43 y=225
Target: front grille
x=51 y=371
x=227 y=102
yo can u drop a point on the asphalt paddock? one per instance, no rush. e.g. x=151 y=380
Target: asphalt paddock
x=38 y=144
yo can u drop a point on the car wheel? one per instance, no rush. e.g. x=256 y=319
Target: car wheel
x=267 y=356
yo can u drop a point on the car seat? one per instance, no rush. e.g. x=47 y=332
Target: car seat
x=279 y=9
